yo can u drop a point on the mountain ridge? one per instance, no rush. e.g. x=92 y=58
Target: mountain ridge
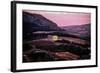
x=83 y=31
x=38 y=22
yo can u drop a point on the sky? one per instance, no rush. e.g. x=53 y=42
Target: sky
x=65 y=18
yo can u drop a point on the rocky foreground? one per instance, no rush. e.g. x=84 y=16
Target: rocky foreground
x=46 y=50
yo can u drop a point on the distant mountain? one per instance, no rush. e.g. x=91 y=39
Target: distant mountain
x=82 y=31
x=37 y=22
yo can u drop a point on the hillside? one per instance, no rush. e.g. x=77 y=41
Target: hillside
x=83 y=31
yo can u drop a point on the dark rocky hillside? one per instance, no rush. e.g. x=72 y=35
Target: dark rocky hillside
x=37 y=22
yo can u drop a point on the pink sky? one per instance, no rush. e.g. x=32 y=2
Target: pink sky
x=65 y=18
